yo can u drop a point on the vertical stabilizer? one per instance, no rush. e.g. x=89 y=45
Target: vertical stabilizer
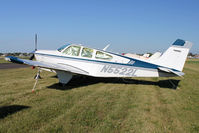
x=175 y=56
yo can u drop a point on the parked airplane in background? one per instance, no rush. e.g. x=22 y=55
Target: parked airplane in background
x=74 y=59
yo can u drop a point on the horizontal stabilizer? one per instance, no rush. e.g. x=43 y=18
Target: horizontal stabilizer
x=178 y=73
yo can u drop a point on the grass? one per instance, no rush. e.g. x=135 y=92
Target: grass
x=99 y=105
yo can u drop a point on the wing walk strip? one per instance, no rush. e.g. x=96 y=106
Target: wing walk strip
x=73 y=67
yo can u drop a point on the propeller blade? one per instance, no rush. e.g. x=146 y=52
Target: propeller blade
x=33 y=52
x=35 y=42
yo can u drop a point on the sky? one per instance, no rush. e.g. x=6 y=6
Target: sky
x=133 y=26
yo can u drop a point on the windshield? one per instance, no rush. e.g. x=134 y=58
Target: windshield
x=72 y=50
x=62 y=47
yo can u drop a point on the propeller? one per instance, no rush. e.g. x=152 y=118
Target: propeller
x=33 y=52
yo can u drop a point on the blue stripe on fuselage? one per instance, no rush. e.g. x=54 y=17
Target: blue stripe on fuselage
x=139 y=63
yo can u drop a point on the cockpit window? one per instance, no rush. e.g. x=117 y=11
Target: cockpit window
x=72 y=50
x=102 y=55
x=62 y=47
x=87 y=52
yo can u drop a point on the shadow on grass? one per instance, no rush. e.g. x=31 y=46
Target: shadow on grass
x=80 y=81
x=8 y=110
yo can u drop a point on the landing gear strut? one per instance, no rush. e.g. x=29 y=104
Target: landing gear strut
x=36 y=77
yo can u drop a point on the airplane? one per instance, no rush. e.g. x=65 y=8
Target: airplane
x=72 y=59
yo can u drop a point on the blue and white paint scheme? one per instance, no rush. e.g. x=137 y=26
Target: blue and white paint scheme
x=77 y=59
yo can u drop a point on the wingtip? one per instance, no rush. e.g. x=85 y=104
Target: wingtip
x=14 y=59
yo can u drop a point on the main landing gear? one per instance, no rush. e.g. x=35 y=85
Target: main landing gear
x=37 y=76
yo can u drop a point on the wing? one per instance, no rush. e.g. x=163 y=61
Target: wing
x=62 y=67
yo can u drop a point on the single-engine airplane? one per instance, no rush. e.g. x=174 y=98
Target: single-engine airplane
x=72 y=59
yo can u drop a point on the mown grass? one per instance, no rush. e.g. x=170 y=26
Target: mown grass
x=99 y=105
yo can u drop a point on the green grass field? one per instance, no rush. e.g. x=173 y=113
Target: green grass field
x=99 y=105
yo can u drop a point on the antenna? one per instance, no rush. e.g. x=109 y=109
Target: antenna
x=35 y=42
x=106 y=47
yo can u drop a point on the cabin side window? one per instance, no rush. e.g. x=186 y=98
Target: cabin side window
x=72 y=50
x=87 y=52
x=103 y=56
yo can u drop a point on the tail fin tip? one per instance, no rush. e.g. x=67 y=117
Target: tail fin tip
x=182 y=44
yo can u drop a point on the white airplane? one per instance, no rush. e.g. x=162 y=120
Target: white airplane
x=73 y=59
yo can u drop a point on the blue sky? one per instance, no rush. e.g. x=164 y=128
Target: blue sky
x=135 y=26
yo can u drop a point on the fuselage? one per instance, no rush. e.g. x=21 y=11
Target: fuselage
x=99 y=63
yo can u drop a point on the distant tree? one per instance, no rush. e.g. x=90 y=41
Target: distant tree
x=16 y=54
x=25 y=54
x=190 y=54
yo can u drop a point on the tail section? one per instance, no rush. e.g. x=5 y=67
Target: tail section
x=175 y=56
